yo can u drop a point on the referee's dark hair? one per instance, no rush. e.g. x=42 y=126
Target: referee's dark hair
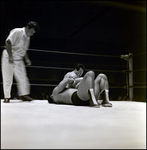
x=33 y=24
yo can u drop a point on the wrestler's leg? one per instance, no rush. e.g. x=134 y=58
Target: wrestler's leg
x=59 y=95
x=85 y=89
x=102 y=85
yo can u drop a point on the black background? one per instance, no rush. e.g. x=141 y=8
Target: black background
x=111 y=28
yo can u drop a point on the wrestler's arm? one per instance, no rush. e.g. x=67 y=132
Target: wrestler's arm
x=61 y=86
x=77 y=82
x=69 y=75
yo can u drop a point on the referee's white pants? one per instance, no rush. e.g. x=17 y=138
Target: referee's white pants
x=19 y=71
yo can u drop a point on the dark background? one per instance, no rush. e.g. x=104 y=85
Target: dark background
x=110 y=28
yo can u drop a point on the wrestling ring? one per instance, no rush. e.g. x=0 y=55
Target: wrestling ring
x=40 y=125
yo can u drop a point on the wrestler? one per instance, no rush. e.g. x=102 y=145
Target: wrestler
x=77 y=72
x=87 y=94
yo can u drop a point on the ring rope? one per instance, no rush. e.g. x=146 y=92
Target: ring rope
x=57 y=84
x=48 y=51
x=42 y=67
x=122 y=87
x=86 y=69
x=139 y=70
x=137 y=87
x=79 y=53
x=139 y=54
x=72 y=53
x=43 y=84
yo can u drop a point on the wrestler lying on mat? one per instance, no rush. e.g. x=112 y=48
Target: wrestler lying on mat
x=81 y=91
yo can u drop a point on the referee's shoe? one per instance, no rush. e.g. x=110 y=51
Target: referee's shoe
x=6 y=100
x=25 y=98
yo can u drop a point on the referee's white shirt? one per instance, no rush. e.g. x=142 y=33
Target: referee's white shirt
x=20 y=43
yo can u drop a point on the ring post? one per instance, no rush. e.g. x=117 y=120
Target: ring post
x=130 y=76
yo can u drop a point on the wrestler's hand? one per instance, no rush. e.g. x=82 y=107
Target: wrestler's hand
x=28 y=62
x=70 y=80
